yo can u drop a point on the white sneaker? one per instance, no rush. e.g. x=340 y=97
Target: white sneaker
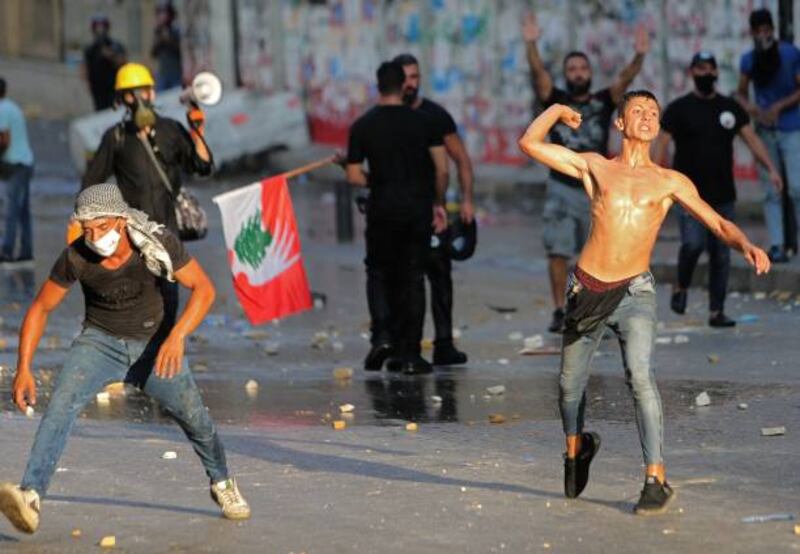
x=226 y=494
x=21 y=507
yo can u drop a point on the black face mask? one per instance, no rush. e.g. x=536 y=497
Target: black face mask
x=579 y=89
x=705 y=83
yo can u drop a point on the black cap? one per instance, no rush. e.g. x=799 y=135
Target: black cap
x=463 y=239
x=703 y=56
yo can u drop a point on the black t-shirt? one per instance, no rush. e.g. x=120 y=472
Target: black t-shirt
x=125 y=302
x=445 y=124
x=394 y=140
x=703 y=130
x=122 y=154
x=591 y=136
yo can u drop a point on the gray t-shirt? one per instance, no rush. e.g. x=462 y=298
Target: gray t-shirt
x=125 y=302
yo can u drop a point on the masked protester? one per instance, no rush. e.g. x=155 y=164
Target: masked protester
x=101 y=60
x=566 y=207
x=125 y=337
x=131 y=149
x=703 y=124
x=772 y=67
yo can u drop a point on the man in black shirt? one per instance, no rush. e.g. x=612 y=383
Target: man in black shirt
x=119 y=262
x=101 y=59
x=407 y=178
x=438 y=266
x=566 y=208
x=703 y=125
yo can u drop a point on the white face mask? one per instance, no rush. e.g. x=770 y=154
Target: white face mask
x=105 y=245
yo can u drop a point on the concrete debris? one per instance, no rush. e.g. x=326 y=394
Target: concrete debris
x=337 y=346
x=346 y=408
x=702 y=399
x=742 y=406
x=533 y=342
x=768 y=517
x=667 y=531
x=797 y=530
x=760 y=295
x=76 y=533
x=663 y=340
x=503 y=361
x=456 y=333
x=115 y=389
x=169 y=455
x=320 y=340
x=784 y=296
x=29 y=411
x=411 y=426
x=109 y=541
x=436 y=399
x=496 y=390
x=773 y=431
x=713 y=358
x=338 y=424
x=272 y=348
x=256 y=334
x=748 y=318
x=515 y=336
x=199 y=368
x=681 y=339
x=103 y=398
x=343 y=373
x=497 y=418
x=251 y=387
x=320 y=300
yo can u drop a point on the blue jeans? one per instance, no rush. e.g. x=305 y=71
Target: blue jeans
x=784 y=150
x=18 y=212
x=695 y=238
x=634 y=323
x=96 y=359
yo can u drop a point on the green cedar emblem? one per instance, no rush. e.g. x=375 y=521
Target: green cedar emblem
x=252 y=241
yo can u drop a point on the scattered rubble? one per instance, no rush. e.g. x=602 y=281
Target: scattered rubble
x=496 y=390
x=773 y=431
x=702 y=399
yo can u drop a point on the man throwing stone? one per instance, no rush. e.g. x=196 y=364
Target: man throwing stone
x=611 y=286
x=119 y=262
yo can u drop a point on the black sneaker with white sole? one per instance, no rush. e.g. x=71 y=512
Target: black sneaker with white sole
x=576 y=470
x=655 y=497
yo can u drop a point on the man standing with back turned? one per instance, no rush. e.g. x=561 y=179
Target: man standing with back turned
x=612 y=286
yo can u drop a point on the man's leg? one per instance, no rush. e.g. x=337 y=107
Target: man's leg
x=634 y=322
x=719 y=258
x=93 y=360
x=773 y=204
x=14 y=194
x=412 y=248
x=559 y=238
x=693 y=242
x=438 y=267
x=377 y=262
x=790 y=152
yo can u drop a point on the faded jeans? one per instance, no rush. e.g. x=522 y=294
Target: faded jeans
x=18 y=211
x=784 y=149
x=96 y=359
x=634 y=324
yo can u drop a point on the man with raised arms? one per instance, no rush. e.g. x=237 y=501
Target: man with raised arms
x=611 y=286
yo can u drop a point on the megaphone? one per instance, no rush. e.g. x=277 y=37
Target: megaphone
x=206 y=89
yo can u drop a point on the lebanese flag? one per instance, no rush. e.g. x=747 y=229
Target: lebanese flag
x=264 y=250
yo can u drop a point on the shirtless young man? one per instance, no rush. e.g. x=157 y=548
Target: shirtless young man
x=612 y=286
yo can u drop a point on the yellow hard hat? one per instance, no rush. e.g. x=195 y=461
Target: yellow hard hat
x=133 y=75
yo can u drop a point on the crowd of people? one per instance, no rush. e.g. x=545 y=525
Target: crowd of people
x=129 y=259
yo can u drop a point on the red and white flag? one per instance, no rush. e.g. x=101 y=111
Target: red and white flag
x=264 y=250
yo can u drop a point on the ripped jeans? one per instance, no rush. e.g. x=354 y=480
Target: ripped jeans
x=96 y=359
x=634 y=323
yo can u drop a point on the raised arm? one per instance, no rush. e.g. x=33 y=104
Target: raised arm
x=533 y=142
x=24 y=386
x=687 y=196
x=756 y=146
x=641 y=46
x=458 y=153
x=540 y=78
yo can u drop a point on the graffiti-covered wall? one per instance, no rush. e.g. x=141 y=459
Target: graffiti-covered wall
x=472 y=54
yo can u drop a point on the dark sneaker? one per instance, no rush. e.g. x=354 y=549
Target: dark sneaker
x=655 y=497
x=777 y=256
x=557 y=325
x=417 y=365
x=446 y=354
x=719 y=319
x=678 y=302
x=394 y=364
x=377 y=355
x=576 y=470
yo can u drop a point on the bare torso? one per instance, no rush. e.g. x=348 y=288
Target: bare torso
x=628 y=206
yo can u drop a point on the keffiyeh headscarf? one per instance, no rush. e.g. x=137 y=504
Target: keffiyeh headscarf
x=105 y=200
